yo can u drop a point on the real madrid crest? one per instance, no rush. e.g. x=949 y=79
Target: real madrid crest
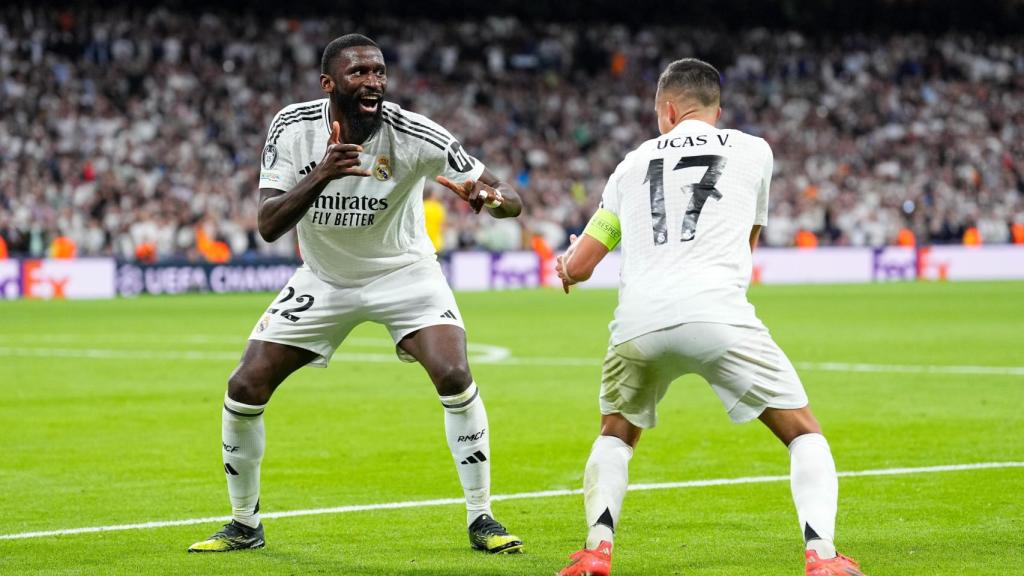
x=264 y=322
x=269 y=156
x=382 y=168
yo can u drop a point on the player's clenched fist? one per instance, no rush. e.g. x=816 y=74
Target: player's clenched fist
x=561 y=261
x=340 y=159
x=475 y=192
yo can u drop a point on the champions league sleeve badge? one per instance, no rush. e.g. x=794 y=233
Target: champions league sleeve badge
x=269 y=156
x=382 y=168
x=458 y=159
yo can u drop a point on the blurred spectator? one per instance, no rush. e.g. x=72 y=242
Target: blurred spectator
x=63 y=248
x=128 y=129
x=1018 y=233
x=806 y=239
x=434 y=215
x=972 y=237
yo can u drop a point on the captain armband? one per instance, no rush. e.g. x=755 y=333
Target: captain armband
x=604 y=227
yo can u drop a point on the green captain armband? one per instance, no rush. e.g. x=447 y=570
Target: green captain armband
x=604 y=227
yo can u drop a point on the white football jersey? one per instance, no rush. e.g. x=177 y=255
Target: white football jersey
x=686 y=202
x=361 y=228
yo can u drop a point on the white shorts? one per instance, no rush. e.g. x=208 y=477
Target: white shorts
x=744 y=366
x=317 y=316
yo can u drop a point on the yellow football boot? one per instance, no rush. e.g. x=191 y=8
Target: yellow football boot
x=233 y=536
x=486 y=533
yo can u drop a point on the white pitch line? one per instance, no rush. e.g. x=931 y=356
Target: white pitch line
x=487 y=354
x=505 y=497
x=911 y=368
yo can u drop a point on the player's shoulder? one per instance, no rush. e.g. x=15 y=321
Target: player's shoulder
x=298 y=116
x=632 y=158
x=748 y=143
x=409 y=125
x=639 y=156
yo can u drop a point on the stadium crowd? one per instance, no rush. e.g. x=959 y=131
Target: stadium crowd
x=137 y=133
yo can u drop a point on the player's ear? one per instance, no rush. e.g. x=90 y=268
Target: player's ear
x=718 y=115
x=672 y=112
x=326 y=83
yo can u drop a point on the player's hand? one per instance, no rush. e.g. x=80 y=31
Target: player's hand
x=340 y=159
x=561 y=261
x=473 y=191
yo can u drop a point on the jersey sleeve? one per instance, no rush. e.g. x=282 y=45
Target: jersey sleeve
x=443 y=155
x=610 y=198
x=277 y=167
x=459 y=165
x=604 y=225
x=761 y=216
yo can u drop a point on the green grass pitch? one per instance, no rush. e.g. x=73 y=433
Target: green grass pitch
x=110 y=414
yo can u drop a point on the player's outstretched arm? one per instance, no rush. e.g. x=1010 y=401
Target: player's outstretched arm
x=280 y=211
x=501 y=200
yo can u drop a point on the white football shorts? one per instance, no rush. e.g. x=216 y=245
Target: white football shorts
x=743 y=365
x=317 y=316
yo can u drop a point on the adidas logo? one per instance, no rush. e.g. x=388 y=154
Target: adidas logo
x=308 y=168
x=229 y=469
x=476 y=458
x=448 y=314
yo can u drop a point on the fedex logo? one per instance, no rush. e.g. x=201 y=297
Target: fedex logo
x=10 y=287
x=10 y=279
x=894 y=264
x=57 y=279
x=37 y=283
x=930 y=268
x=907 y=264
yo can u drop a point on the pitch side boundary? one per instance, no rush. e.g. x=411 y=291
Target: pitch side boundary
x=504 y=497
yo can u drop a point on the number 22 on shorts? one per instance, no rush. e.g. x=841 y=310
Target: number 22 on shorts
x=305 y=302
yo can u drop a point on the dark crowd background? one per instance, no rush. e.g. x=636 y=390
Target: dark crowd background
x=136 y=130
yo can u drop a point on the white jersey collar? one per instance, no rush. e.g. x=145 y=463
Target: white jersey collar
x=690 y=125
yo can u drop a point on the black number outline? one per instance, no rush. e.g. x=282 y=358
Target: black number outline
x=287 y=314
x=291 y=292
x=699 y=193
x=655 y=175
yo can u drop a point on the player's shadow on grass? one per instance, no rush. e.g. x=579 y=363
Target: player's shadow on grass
x=472 y=563
x=412 y=569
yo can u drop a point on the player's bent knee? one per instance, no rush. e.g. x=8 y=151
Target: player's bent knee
x=245 y=389
x=452 y=379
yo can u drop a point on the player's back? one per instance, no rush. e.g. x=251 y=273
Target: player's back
x=686 y=203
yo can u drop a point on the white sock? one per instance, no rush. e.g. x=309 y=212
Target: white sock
x=604 y=487
x=243 y=439
x=815 y=488
x=465 y=424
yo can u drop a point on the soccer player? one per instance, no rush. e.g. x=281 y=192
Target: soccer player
x=688 y=207
x=348 y=172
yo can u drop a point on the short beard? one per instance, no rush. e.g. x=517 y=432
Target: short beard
x=358 y=126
